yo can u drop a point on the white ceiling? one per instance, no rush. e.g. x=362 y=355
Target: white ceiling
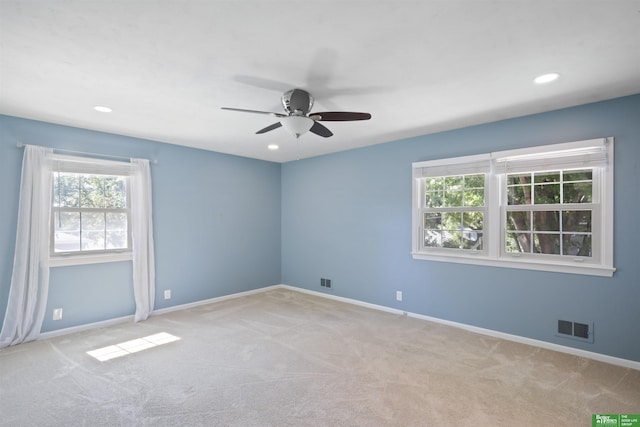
x=166 y=67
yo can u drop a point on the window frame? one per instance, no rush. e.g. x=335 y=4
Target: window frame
x=90 y=166
x=471 y=165
x=598 y=155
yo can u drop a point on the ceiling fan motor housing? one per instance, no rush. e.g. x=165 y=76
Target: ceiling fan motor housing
x=297 y=102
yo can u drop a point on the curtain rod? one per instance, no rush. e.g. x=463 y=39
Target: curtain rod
x=20 y=144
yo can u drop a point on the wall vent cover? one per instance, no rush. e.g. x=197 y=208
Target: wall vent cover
x=565 y=327
x=575 y=330
x=581 y=330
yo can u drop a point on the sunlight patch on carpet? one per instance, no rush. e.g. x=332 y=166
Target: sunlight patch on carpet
x=133 y=346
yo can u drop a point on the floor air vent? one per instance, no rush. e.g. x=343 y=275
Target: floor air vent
x=575 y=330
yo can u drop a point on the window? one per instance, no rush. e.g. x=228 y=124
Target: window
x=550 y=213
x=90 y=213
x=453 y=211
x=545 y=208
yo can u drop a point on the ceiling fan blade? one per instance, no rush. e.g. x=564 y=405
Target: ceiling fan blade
x=339 y=116
x=242 y=110
x=321 y=130
x=262 y=83
x=276 y=125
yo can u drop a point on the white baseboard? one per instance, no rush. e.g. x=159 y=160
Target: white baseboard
x=85 y=327
x=489 y=332
x=212 y=300
x=342 y=299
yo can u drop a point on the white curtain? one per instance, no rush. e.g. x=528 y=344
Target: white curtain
x=142 y=236
x=30 y=279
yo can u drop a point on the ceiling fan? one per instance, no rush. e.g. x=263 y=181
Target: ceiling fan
x=297 y=120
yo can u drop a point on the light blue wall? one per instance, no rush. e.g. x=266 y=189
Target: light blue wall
x=216 y=224
x=347 y=217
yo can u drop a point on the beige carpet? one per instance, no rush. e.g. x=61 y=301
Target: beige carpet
x=284 y=358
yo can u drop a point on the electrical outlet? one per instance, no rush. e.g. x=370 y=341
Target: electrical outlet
x=167 y=294
x=57 y=313
x=398 y=295
x=328 y=283
x=323 y=282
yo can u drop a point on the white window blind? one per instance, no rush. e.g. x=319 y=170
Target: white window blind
x=467 y=165
x=64 y=163
x=583 y=154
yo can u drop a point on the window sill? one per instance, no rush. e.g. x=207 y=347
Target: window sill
x=586 y=269
x=67 y=260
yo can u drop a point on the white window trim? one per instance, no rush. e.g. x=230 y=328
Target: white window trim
x=88 y=165
x=83 y=259
x=493 y=254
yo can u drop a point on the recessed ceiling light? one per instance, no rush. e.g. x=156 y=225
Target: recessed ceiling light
x=272 y=146
x=102 y=109
x=546 y=78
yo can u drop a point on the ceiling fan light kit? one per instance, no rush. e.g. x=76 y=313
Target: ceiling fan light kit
x=297 y=125
x=297 y=120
